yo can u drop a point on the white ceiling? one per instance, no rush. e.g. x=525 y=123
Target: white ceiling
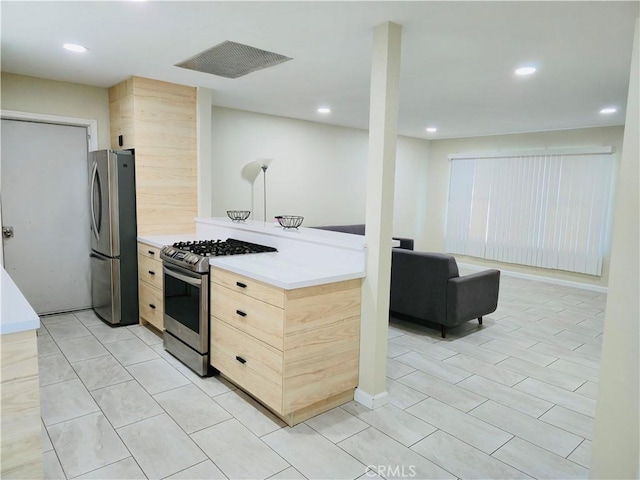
x=457 y=68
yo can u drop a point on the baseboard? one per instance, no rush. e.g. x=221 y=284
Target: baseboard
x=371 y=401
x=538 y=278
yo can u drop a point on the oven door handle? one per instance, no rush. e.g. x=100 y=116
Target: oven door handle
x=196 y=282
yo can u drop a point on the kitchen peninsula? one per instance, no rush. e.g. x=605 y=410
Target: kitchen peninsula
x=284 y=326
x=21 y=440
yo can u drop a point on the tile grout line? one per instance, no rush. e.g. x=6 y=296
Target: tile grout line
x=557 y=404
x=106 y=418
x=396 y=441
x=528 y=441
x=568 y=431
x=164 y=412
x=519 y=291
x=133 y=378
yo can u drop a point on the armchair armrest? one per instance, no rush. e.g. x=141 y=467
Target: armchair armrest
x=406 y=243
x=472 y=296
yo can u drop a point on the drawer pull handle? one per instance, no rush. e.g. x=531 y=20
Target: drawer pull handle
x=241 y=313
x=241 y=285
x=151 y=252
x=241 y=360
x=152 y=306
x=151 y=272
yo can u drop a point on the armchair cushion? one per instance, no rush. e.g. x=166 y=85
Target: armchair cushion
x=419 y=283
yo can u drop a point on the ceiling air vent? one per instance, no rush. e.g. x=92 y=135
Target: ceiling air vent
x=232 y=60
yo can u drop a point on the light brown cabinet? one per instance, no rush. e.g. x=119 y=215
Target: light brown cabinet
x=21 y=439
x=297 y=351
x=150 y=283
x=121 y=115
x=158 y=119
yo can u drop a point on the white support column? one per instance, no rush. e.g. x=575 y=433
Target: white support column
x=205 y=160
x=616 y=436
x=383 y=123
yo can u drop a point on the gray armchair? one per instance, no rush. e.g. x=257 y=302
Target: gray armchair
x=427 y=288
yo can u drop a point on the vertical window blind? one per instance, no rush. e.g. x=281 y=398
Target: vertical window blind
x=550 y=211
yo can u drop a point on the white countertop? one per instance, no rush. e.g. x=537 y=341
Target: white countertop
x=16 y=315
x=286 y=271
x=300 y=234
x=306 y=257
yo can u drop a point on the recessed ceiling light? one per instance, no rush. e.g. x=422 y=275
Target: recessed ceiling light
x=608 y=110
x=73 y=47
x=526 y=70
x=324 y=110
x=432 y=129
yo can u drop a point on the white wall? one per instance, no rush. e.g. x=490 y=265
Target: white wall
x=616 y=441
x=432 y=232
x=203 y=125
x=38 y=95
x=411 y=186
x=1 y=241
x=319 y=171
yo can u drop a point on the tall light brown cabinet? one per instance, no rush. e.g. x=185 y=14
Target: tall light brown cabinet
x=158 y=120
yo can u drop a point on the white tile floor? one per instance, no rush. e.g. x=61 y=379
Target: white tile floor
x=514 y=398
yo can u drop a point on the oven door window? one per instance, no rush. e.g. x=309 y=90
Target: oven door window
x=182 y=302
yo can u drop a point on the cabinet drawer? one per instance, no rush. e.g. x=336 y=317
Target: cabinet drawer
x=150 y=271
x=148 y=251
x=255 y=317
x=253 y=288
x=253 y=365
x=151 y=307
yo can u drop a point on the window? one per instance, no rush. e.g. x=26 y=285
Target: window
x=550 y=210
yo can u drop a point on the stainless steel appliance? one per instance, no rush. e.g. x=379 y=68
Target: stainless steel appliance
x=186 y=296
x=114 y=264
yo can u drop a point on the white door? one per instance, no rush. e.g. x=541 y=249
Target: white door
x=45 y=200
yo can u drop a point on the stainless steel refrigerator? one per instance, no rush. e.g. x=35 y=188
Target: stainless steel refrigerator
x=114 y=263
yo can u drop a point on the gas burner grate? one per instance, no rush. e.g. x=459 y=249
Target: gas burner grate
x=216 y=248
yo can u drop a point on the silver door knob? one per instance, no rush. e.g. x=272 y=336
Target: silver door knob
x=7 y=232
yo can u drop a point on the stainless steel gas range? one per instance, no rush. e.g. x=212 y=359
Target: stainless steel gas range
x=186 y=296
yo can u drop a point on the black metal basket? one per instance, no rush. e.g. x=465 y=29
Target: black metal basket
x=289 y=221
x=238 y=215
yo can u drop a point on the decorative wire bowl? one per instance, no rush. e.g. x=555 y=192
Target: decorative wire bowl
x=289 y=221
x=238 y=215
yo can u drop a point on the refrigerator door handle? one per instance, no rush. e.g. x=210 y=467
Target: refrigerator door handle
x=94 y=179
